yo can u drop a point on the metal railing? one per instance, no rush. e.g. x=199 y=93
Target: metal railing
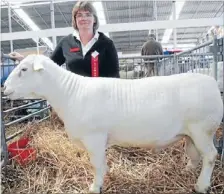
x=6 y=125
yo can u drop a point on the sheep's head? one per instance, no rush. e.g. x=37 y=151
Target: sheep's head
x=26 y=79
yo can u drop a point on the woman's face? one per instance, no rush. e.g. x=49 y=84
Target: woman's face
x=84 y=20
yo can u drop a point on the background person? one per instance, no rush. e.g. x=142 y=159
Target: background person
x=151 y=47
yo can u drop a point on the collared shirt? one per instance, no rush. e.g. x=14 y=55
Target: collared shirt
x=88 y=46
x=69 y=51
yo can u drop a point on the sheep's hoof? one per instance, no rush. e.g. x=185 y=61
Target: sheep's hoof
x=95 y=189
x=201 y=191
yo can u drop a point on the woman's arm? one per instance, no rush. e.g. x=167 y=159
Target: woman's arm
x=57 y=55
x=112 y=59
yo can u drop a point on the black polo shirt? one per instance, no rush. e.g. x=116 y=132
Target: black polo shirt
x=69 y=51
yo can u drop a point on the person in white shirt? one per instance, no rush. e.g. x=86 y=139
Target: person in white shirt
x=78 y=49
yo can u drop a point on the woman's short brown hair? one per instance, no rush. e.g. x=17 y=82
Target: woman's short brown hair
x=84 y=6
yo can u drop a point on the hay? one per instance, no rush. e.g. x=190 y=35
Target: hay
x=62 y=168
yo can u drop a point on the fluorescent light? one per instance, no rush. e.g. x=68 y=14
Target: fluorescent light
x=179 y=7
x=168 y=32
x=100 y=12
x=101 y=15
x=166 y=35
x=27 y=20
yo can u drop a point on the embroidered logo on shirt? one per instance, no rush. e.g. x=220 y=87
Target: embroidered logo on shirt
x=74 y=49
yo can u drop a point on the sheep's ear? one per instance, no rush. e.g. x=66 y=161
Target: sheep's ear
x=38 y=64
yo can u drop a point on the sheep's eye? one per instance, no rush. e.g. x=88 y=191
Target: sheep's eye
x=24 y=69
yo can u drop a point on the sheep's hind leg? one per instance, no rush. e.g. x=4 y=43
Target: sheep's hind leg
x=193 y=154
x=96 y=146
x=204 y=144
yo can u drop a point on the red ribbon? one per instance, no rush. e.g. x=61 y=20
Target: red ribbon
x=95 y=66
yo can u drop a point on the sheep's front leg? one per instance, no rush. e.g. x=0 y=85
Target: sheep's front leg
x=96 y=147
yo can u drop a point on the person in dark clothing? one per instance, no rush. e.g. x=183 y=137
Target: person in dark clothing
x=70 y=51
x=79 y=50
x=151 y=47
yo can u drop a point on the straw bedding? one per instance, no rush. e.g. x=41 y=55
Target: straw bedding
x=61 y=168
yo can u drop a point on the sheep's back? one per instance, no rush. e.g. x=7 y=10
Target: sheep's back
x=164 y=102
x=149 y=95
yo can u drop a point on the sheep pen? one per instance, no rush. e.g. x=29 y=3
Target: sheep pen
x=61 y=168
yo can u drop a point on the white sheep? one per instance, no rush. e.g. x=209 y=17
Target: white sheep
x=152 y=112
x=209 y=71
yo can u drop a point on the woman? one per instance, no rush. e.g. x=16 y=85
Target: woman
x=80 y=52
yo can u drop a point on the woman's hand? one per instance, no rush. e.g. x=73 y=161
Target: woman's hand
x=16 y=56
